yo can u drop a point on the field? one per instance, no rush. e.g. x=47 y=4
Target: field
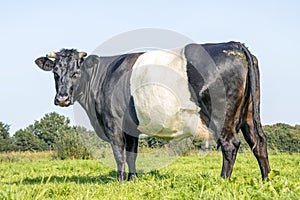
x=37 y=176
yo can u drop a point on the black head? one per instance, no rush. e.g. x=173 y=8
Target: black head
x=66 y=67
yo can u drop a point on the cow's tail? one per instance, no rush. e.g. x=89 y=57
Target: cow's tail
x=254 y=84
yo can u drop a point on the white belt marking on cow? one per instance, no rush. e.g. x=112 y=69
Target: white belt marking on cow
x=159 y=86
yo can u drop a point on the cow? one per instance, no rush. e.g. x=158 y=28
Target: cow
x=204 y=90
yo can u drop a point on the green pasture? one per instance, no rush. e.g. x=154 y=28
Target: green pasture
x=37 y=176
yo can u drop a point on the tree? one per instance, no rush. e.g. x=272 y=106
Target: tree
x=26 y=140
x=52 y=132
x=6 y=142
x=42 y=135
x=49 y=128
x=4 y=130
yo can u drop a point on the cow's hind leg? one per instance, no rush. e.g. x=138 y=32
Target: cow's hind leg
x=229 y=147
x=131 y=144
x=258 y=144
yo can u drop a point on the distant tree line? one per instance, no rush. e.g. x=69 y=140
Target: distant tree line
x=283 y=137
x=280 y=137
x=53 y=132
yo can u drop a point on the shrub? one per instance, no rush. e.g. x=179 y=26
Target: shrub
x=69 y=146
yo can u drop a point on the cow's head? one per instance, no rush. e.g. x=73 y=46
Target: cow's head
x=66 y=68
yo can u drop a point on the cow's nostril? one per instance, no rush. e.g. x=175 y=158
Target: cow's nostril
x=62 y=100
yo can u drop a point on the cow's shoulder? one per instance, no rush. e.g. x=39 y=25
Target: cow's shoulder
x=91 y=61
x=119 y=63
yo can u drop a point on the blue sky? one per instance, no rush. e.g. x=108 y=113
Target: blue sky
x=30 y=29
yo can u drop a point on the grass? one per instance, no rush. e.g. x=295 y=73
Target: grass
x=190 y=177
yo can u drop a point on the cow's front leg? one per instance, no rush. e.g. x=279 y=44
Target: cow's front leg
x=117 y=142
x=120 y=157
x=118 y=146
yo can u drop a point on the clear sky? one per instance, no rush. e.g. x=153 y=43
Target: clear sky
x=29 y=29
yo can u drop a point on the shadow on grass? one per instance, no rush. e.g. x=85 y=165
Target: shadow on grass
x=109 y=177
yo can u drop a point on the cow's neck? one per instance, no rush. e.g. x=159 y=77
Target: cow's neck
x=85 y=95
x=82 y=96
x=88 y=85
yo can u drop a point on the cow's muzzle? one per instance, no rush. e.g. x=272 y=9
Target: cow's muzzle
x=62 y=101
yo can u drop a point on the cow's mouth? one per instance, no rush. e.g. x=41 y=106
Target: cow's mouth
x=65 y=104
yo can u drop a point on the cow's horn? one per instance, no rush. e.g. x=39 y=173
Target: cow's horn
x=82 y=54
x=51 y=55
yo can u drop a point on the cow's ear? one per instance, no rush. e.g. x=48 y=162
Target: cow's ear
x=44 y=63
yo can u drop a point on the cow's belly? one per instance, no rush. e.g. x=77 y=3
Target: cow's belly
x=159 y=86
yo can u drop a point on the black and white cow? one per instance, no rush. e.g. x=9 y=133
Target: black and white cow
x=196 y=90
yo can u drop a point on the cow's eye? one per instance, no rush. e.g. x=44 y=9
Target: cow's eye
x=75 y=75
x=56 y=76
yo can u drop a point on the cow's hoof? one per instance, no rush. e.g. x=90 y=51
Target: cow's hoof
x=121 y=176
x=131 y=176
